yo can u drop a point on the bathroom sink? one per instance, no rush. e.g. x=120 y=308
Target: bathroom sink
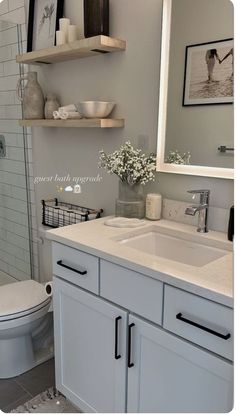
x=180 y=249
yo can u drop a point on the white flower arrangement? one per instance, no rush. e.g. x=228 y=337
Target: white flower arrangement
x=174 y=157
x=129 y=164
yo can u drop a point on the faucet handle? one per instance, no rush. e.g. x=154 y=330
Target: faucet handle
x=205 y=192
x=204 y=195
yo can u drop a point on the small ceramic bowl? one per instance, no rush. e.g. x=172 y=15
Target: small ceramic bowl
x=95 y=109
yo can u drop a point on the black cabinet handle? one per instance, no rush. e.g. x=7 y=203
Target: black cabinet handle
x=81 y=272
x=117 y=356
x=130 y=364
x=204 y=328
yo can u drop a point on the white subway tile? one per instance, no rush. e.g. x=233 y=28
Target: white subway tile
x=9 y=36
x=7 y=98
x=14 y=204
x=10 y=112
x=10 y=126
x=13 y=140
x=13 y=215
x=10 y=67
x=22 y=266
x=16 y=167
x=14 y=50
x=13 y=179
x=18 y=274
x=8 y=83
x=19 y=193
x=15 y=154
x=4 y=7
x=15 y=4
x=3 y=266
x=18 y=241
x=6 y=53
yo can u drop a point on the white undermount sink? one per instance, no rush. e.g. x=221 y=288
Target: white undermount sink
x=183 y=249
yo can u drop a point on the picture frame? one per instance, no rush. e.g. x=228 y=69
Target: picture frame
x=43 y=21
x=208 y=73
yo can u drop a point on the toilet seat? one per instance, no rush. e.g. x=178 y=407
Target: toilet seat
x=25 y=313
x=21 y=299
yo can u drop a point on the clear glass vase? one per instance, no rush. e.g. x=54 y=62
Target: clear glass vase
x=130 y=202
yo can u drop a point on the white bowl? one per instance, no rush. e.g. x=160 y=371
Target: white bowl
x=95 y=109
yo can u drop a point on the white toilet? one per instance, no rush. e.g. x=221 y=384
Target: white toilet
x=23 y=308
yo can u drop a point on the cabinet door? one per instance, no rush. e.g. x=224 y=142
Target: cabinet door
x=171 y=375
x=90 y=349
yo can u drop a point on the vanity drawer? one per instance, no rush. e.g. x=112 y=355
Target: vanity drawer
x=77 y=267
x=199 y=320
x=132 y=290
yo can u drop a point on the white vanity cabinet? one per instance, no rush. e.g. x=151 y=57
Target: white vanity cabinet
x=171 y=375
x=120 y=348
x=90 y=349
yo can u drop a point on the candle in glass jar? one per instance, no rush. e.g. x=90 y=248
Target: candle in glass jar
x=153 y=206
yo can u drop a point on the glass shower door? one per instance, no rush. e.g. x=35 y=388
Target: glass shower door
x=15 y=243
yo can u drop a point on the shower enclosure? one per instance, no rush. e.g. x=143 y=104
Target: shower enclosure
x=16 y=187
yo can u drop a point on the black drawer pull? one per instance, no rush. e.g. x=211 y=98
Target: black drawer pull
x=117 y=356
x=81 y=272
x=204 y=328
x=130 y=364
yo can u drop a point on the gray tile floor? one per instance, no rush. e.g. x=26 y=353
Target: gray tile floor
x=16 y=391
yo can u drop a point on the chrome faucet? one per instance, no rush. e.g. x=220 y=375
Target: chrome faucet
x=202 y=209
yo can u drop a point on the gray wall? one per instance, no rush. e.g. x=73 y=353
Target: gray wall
x=131 y=79
x=201 y=129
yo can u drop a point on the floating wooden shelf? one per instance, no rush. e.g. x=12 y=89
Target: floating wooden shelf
x=77 y=50
x=73 y=123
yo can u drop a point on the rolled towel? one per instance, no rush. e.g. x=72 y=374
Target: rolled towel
x=61 y=114
x=69 y=115
x=56 y=115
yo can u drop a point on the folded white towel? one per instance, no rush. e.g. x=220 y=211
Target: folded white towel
x=68 y=108
x=124 y=222
x=69 y=115
x=66 y=115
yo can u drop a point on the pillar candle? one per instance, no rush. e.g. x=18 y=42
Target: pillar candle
x=60 y=37
x=64 y=25
x=153 y=206
x=72 y=33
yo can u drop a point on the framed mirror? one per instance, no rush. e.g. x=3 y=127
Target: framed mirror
x=195 y=124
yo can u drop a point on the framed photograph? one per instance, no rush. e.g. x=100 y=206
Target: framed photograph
x=209 y=73
x=43 y=22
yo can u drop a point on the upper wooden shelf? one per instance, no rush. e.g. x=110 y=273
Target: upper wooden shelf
x=73 y=123
x=77 y=50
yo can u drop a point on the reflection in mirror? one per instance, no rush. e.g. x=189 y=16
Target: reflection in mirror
x=196 y=124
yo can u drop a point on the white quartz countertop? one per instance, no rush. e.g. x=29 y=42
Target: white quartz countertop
x=213 y=281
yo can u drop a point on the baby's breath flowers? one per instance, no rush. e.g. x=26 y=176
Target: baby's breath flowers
x=129 y=164
x=174 y=157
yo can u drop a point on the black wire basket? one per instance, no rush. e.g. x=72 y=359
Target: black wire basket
x=59 y=214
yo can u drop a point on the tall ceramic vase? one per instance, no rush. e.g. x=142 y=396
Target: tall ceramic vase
x=130 y=202
x=32 y=97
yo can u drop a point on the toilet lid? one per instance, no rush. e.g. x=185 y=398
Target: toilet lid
x=19 y=297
